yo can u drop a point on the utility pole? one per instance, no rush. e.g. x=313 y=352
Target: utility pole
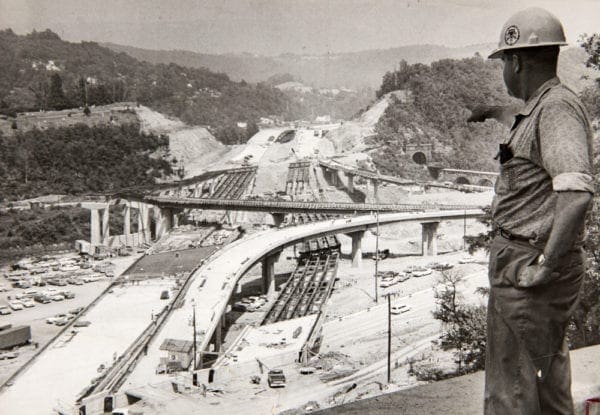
x=376 y=254
x=194 y=324
x=389 y=354
x=465 y=231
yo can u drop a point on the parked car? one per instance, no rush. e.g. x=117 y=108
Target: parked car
x=61 y=321
x=76 y=311
x=68 y=294
x=3 y=288
x=52 y=320
x=421 y=273
x=164 y=295
x=276 y=378
x=28 y=303
x=57 y=297
x=4 y=310
x=15 y=305
x=399 y=309
x=42 y=298
x=81 y=323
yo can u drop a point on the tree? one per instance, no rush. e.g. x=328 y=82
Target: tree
x=87 y=111
x=464 y=325
x=591 y=44
x=251 y=129
x=56 y=96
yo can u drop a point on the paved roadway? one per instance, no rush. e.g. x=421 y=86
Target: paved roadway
x=212 y=284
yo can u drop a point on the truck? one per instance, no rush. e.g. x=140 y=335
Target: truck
x=15 y=336
x=276 y=378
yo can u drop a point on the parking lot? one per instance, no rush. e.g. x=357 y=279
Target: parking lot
x=36 y=316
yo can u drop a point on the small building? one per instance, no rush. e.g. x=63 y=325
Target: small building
x=83 y=247
x=14 y=336
x=178 y=353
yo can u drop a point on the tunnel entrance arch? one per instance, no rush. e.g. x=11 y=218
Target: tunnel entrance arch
x=485 y=182
x=419 y=157
x=462 y=180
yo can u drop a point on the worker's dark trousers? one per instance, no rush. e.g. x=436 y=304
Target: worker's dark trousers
x=527 y=368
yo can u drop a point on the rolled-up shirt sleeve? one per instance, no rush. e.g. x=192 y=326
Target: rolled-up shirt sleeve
x=565 y=145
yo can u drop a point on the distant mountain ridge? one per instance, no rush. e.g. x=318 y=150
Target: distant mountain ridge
x=352 y=70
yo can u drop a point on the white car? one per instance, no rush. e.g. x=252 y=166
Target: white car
x=421 y=273
x=28 y=303
x=388 y=283
x=399 y=309
x=15 y=305
x=58 y=317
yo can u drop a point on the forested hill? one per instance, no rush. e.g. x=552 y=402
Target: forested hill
x=41 y=71
x=442 y=96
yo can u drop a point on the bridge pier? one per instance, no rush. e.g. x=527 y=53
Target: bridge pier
x=278 y=219
x=95 y=232
x=127 y=220
x=268 y=273
x=105 y=225
x=429 y=238
x=218 y=336
x=375 y=191
x=356 y=248
x=143 y=219
x=350 y=182
x=164 y=222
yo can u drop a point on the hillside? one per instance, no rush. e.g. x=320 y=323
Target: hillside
x=192 y=147
x=352 y=70
x=79 y=159
x=39 y=71
x=442 y=97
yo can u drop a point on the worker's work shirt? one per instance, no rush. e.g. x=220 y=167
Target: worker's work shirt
x=551 y=147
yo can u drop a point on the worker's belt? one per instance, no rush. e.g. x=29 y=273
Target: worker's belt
x=507 y=235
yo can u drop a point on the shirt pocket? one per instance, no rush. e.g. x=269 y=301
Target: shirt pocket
x=507 y=179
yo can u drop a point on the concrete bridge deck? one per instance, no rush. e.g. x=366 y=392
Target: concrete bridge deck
x=274 y=206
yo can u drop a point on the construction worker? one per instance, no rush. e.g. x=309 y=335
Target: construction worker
x=543 y=193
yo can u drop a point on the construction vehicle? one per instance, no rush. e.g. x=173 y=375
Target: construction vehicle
x=276 y=378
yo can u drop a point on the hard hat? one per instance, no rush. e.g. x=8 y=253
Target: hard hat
x=532 y=27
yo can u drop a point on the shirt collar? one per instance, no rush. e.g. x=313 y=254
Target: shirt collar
x=535 y=98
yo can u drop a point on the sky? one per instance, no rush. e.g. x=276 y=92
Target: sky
x=272 y=27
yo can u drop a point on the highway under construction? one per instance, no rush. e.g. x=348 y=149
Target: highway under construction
x=241 y=283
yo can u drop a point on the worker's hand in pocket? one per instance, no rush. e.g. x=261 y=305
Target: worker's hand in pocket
x=534 y=275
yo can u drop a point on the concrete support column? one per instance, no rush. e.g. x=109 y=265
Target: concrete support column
x=127 y=219
x=429 y=238
x=350 y=182
x=175 y=220
x=218 y=336
x=268 y=273
x=334 y=178
x=357 y=248
x=143 y=220
x=95 y=232
x=278 y=219
x=164 y=222
x=375 y=188
x=105 y=224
